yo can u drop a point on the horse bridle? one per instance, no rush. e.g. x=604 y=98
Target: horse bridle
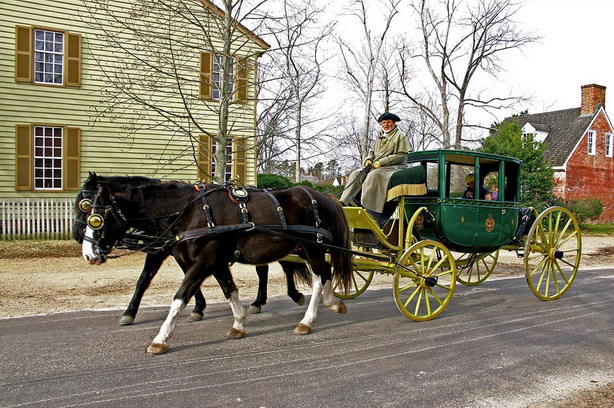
x=98 y=214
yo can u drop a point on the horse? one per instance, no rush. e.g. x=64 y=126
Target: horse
x=155 y=257
x=220 y=225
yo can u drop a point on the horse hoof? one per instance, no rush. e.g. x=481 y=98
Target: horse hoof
x=254 y=309
x=340 y=308
x=301 y=300
x=195 y=317
x=126 y=320
x=235 y=334
x=302 y=329
x=157 y=348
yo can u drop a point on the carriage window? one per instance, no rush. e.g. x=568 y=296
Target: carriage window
x=48 y=57
x=432 y=176
x=456 y=179
x=48 y=158
x=491 y=182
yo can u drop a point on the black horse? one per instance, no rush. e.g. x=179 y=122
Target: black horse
x=216 y=228
x=156 y=256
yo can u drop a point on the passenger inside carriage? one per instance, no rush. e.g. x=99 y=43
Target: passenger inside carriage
x=469 y=192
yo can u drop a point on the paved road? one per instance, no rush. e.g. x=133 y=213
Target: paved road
x=495 y=345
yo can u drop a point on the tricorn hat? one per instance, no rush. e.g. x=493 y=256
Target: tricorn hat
x=470 y=177
x=389 y=116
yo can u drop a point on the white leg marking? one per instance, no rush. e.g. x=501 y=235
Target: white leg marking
x=167 y=328
x=314 y=302
x=238 y=311
x=328 y=297
x=87 y=249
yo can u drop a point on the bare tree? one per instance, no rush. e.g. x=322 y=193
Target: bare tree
x=297 y=54
x=360 y=64
x=459 y=40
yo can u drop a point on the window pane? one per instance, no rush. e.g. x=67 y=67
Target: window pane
x=48 y=157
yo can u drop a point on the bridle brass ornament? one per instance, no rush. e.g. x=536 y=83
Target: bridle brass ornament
x=95 y=221
x=85 y=205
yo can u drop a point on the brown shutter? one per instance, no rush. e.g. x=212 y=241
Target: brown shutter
x=23 y=157
x=73 y=60
x=72 y=159
x=240 y=159
x=23 y=54
x=206 y=74
x=203 y=162
x=241 y=83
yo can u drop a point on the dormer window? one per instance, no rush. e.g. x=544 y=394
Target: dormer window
x=592 y=142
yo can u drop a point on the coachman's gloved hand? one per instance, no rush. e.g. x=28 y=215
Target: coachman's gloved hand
x=377 y=165
x=368 y=163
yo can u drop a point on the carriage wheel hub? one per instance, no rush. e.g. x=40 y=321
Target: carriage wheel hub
x=556 y=254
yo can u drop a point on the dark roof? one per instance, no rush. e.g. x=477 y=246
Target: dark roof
x=566 y=127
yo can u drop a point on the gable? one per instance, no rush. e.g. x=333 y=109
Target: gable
x=601 y=124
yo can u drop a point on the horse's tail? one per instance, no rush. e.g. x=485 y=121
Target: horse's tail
x=341 y=261
x=299 y=271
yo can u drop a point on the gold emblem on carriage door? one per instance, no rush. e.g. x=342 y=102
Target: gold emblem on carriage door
x=490 y=223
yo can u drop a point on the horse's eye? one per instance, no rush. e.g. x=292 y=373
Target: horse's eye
x=85 y=205
x=95 y=221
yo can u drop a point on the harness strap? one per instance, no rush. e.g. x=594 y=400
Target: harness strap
x=280 y=210
x=224 y=229
x=203 y=197
x=314 y=208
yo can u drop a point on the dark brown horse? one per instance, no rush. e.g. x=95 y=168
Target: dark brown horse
x=155 y=257
x=216 y=228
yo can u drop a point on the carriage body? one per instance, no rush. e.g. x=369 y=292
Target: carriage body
x=438 y=238
x=462 y=224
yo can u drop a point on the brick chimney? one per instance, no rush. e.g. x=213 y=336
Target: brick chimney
x=593 y=95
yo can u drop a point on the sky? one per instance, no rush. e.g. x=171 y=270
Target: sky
x=576 y=49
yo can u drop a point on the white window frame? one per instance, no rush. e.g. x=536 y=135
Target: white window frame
x=217 y=86
x=228 y=170
x=49 y=48
x=592 y=142
x=609 y=141
x=48 y=157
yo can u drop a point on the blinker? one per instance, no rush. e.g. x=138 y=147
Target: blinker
x=85 y=205
x=95 y=221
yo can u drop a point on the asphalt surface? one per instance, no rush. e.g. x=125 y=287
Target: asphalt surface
x=496 y=345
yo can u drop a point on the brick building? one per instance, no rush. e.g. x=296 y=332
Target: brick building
x=579 y=143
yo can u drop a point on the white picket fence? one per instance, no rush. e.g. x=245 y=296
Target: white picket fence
x=36 y=218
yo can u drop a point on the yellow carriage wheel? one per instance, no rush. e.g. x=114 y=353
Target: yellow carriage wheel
x=473 y=270
x=425 y=280
x=552 y=253
x=361 y=279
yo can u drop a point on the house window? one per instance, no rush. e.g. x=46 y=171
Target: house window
x=228 y=170
x=236 y=159
x=592 y=142
x=217 y=76
x=608 y=144
x=48 y=158
x=48 y=57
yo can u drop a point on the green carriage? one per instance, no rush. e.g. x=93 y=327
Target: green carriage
x=437 y=238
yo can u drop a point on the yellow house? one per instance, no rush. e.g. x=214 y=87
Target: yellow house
x=81 y=92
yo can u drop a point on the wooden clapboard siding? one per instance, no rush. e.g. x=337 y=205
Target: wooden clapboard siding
x=104 y=147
